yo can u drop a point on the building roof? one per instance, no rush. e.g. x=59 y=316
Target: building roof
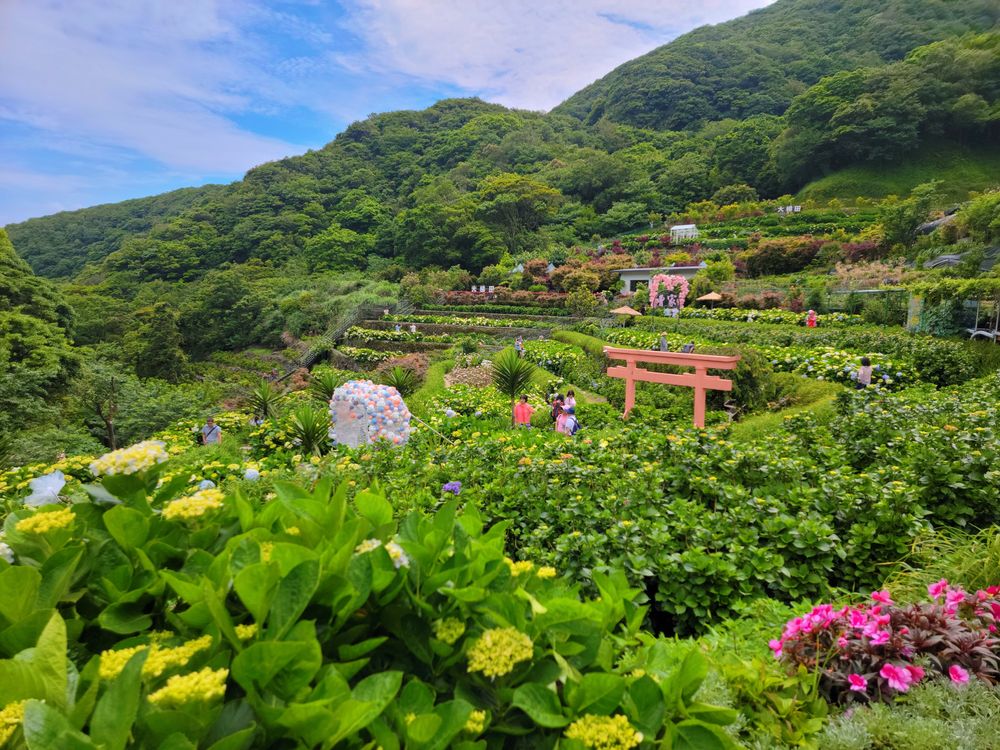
x=684 y=226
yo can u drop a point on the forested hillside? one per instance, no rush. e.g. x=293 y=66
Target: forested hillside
x=464 y=181
x=758 y=63
x=60 y=244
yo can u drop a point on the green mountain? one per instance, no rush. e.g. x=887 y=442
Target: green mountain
x=59 y=245
x=758 y=63
x=464 y=181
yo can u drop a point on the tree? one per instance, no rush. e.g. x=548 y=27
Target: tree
x=36 y=358
x=516 y=204
x=901 y=219
x=511 y=376
x=154 y=346
x=338 y=249
x=730 y=194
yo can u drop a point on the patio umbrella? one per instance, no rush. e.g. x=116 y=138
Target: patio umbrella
x=712 y=297
x=626 y=310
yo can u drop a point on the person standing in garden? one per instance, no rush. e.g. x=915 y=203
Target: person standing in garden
x=811 y=319
x=557 y=407
x=522 y=413
x=211 y=433
x=519 y=346
x=570 y=402
x=864 y=376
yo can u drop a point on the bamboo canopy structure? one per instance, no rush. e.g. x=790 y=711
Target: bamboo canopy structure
x=625 y=310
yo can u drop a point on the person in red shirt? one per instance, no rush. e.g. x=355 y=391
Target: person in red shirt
x=522 y=412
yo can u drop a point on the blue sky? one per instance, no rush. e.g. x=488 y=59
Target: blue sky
x=103 y=100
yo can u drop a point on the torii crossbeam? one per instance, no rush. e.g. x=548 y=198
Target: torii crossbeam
x=700 y=380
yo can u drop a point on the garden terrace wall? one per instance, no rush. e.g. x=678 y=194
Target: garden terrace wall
x=465 y=313
x=436 y=328
x=396 y=346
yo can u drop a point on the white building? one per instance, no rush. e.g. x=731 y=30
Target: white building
x=632 y=277
x=680 y=232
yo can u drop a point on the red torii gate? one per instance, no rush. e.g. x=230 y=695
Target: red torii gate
x=700 y=380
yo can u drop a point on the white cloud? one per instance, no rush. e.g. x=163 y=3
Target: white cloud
x=160 y=78
x=523 y=53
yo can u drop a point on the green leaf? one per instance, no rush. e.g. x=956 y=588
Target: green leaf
x=258 y=664
x=111 y=724
x=240 y=740
x=597 y=693
x=369 y=699
x=256 y=585
x=127 y=526
x=293 y=595
x=49 y=662
x=541 y=704
x=423 y=727
x=47 y=729
x=125 y=618
x=349 y=652
x=712 y=714
x=57 y=575
x=695 y=735
x=19 y=586
x=691 y=674
x=646 y=707
x=374 y=507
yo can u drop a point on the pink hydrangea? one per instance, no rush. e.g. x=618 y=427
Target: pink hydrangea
x=858 y=683
x=958 y=675
x=898 y=678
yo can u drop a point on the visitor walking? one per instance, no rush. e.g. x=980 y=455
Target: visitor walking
x=519 y=346
x=811 y=319
x=562 y=418
x=413 y=327
x=522 y=413
x=557 y=407
x=864 y=375
x=570 y=402
x=211 y=433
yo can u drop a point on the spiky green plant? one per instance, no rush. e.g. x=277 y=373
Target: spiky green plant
x=265 y=400
x=310 y=428
x=511 y=375
x=323 y=383
x=402 y=379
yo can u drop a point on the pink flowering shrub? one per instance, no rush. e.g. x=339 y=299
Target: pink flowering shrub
x=879 y=649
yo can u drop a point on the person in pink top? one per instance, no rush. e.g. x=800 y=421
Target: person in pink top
x=522 y=413
x=562 y=420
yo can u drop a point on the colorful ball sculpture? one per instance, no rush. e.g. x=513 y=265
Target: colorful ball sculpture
x=364 y=412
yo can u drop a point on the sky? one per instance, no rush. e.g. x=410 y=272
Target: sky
x=103 y=100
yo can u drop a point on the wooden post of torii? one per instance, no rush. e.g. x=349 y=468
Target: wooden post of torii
x=700 y=380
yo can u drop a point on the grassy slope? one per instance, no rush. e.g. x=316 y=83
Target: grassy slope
x=962 y=169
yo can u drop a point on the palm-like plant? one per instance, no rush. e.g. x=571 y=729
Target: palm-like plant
x=265 y=399
x=323 y=383
x=402 y=379
x=310 y=428
x=511 y=376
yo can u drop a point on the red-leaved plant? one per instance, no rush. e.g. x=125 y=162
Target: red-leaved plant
x=880 y=649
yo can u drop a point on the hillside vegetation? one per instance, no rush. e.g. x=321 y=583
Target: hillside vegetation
x=758 y=63
x=960 y=168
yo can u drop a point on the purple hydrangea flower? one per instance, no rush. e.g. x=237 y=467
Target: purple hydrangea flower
x=455 y=487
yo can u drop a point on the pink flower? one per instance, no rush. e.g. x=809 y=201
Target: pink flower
x=954 y=598
x=880 y=637
x=917 y=673
x=858 y=618
x=936 y=589
x=982 y=595
x=958 y=675
x=775 y=645
x=842 y=643
x=858 y=683
x=899 y=678
x=993 y=590
x=882 y=597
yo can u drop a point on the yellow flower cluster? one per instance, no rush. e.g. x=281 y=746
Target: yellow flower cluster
x=11 y=717
x=246 y=632
x=368 y=545
x=517 y=568
x=604 y=732
x=160 y=659
x=449 y=630
x=498 y=650
x=476 y=722
x=131 y=460
x=202 y=686
x=266 y=550
x=525 y=461
x=194 y=506
x=46 y=521
x=546 y=571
